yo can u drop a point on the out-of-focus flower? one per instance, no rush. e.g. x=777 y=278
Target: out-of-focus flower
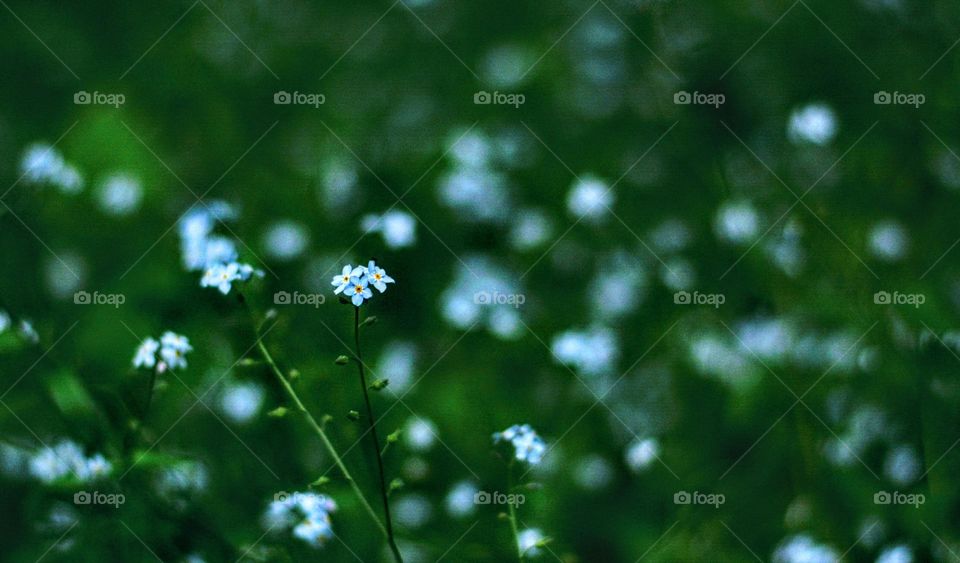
x=803 y=549
x=146 y=356
x=120 y=195
x=814 y=123
x=641 y=453
x=222 y=276
x=173 y=349
x=240 y=402
x=888 y=241
x=528 y=446
x=308 y=514
x=170 y=352
x=286 y=240
x=529 y=541
x=590 y=198
x=592 y=352
x=420 y=434
x=399 y=229
x=43 y=163
x=737 y=222
x=66 y=459
x=460 y=500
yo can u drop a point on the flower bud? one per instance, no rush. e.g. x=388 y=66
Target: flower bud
x=379 y=384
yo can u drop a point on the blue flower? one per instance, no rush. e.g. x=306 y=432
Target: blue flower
x=357 y=290
x=342 y=280
x=378 y=277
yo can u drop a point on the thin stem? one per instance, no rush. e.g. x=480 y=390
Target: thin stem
x=376 y=439
x=312 y=422
x=513 y=512
x=153 y=383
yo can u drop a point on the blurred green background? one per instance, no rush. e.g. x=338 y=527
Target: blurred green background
x=820 y=215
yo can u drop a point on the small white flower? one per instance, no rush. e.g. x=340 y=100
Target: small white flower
x=173 y=350
x=528 y=541
x=146 y=356
x=307 y=513
x=222 y=276
x=377 y=277
x=528 y=446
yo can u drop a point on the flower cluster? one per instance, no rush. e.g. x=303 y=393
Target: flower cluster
x=527 y=445
x=307 y=513
x=170 y=352
x=354 y=282
x=66 y=458
x=215 y=255
x=222 y=276
x=43 y=164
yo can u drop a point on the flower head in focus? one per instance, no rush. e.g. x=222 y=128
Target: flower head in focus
x=354 y=283
x=358 y=291
x=528 y=446
x=377 y=277
x=342 y=280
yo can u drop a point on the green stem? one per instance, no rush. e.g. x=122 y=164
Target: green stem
x=513 y=512
x=312 y=422
x=376 y=439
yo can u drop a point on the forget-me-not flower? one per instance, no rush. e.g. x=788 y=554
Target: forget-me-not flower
x=527 y=445
x=358 y=291
x=378 y=277
x=342 y=280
